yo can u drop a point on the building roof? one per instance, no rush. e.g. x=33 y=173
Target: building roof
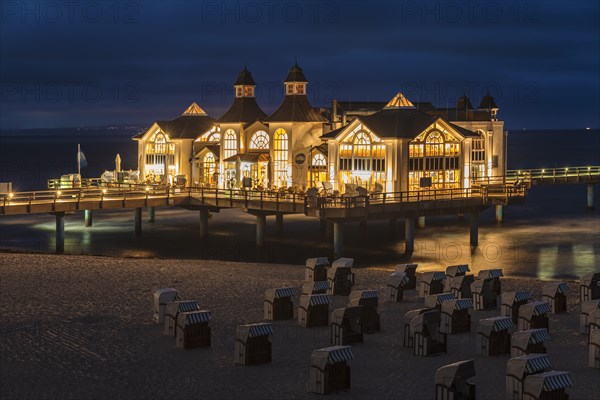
x=295 y=75
x=295 y=108
x=190 y=125
x=243 y=110
x=393 y=123
x=186 y=126
x=406 y=123
x=245 y=78
x=399 y=101
x=215 y=149
x=249 y=157
x=374 y=106
x=463 y=103
x=194 y=109
x=487 y=102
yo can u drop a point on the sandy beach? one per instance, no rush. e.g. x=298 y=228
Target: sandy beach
x=79 y=327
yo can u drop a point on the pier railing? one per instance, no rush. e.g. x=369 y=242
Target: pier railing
x=271 y=200
x=590 y=174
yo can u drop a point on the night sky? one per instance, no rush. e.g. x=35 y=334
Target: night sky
x=99 y=63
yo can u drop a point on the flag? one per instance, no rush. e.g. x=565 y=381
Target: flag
x=81 y=160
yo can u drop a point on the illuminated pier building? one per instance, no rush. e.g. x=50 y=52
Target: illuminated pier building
x=393 y=146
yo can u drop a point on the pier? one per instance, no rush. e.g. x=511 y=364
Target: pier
x=334 y=212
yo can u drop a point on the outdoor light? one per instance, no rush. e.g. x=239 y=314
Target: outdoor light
x=543 y=171
x=589 y=168
x=10 y=195
x=147 y=189
x=58 y=193
x=103 y=191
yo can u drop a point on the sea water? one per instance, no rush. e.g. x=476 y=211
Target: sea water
x=552 y=235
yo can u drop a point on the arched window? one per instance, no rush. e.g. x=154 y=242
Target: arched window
x=215 y=137
x=230 y=143
x=159 y=151
x=319 y=160
x=259 y=141
x=281 y=155
x=208 y=167
x=434 y=144
x=362 y=158
x=434 y=155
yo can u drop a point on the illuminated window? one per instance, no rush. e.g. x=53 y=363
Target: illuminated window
x=299 y=88
x=159 y=151
x=281 y=155
x=238 y=91
x=208 y=167
x=215 y=137
x=362 y=158
x=248 y=91
x=230 y=143
x=319 y=160
x=434 y=155
x=259 y=141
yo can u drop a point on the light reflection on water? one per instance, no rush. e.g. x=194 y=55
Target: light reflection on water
x=547 y=246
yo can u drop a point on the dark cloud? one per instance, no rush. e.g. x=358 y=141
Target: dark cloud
x=137 y=61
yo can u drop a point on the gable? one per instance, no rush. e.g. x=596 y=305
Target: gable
x=449 y=133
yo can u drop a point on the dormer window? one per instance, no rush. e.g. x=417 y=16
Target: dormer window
x=295 y=88
x=244 y=91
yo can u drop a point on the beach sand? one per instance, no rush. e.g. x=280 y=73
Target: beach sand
x=79 y=327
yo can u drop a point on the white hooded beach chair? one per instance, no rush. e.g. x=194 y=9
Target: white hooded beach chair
x=493 y=336
x=518 y=368
x=452 y=272
x=253 y=344
x=329 y=369
x=427 y=338
x=316 y=269
x=161 y=298
x=534 y=315
x=555 y=294
x=511 y=302
x=193 y=329
x=173 y=309
x=411 y=271
x=550 y=385
x=529 y=341
x=452 y=381
x=589 y=287
x=584 y=318
x=456 y=316
x=394 y=290
x=436 y=300
x=484 y=296
x=461 y=286
x=278 y=304
x=431 y=283
x=319 y=287
x=494 y=274
x=341 y=277
x=594 y=349
x=313 y=310
x=407 y=338
x=346 y=326
x=368 y=299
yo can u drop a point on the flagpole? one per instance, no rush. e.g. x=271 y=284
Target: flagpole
x=79 y=160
